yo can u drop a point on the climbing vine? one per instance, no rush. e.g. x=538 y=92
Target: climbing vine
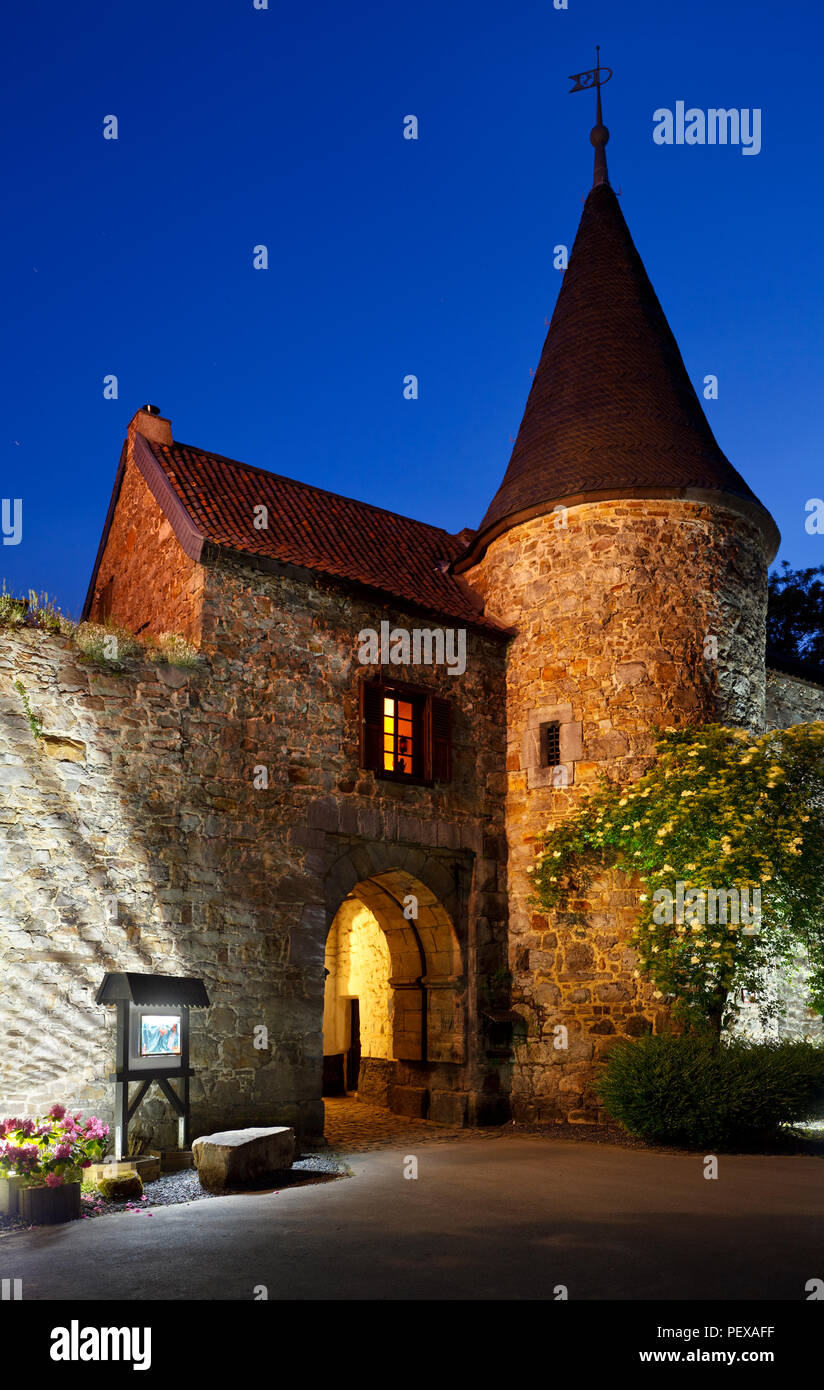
x=35 y=724
x=723 y=839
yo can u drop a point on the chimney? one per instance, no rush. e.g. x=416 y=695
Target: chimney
x=149 y=422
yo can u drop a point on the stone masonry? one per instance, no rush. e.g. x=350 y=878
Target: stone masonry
x=611 y=640
x=144 y=793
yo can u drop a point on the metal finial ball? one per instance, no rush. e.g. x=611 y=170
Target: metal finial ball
x=599 y=135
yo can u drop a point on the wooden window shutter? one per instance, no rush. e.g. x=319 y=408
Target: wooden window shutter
x=371 y=725
x=440 y=739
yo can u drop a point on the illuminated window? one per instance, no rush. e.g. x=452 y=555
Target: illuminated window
x=405 y=733
x=399 y=740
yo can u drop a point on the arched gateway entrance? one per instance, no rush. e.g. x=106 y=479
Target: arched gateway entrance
x=395 y=997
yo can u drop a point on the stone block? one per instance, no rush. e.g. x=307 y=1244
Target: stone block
x=448 y=1108
x=412 y=1101
x=63 y=748
x=147 y=1168
x=239 y=1157
x=117 y=1186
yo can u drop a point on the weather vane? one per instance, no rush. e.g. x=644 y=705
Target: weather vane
x=599 y=134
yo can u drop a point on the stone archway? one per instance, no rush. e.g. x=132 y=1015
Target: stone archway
x=393 y=945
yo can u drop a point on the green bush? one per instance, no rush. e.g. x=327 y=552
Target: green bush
x=698 y=1093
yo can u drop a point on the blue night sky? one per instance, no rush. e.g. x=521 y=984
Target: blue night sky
x=386 y=256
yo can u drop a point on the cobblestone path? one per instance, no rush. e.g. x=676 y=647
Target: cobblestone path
x=354 y=1126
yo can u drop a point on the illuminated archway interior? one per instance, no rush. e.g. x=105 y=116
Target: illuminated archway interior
x=394 y=988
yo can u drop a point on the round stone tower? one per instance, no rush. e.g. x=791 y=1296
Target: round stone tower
x=630 y=559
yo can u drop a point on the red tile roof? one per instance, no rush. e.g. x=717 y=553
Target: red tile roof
x=611 y=409
x=311 y=529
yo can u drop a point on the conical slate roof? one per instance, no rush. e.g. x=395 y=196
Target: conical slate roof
x=612 y=412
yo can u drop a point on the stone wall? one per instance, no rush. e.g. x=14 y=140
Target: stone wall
x=628 y=614
x=792 y=700
x=145 y=796
x=154 y=586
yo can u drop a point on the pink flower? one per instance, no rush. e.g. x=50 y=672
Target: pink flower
x=54 y=1179
x=63 y=1151
x=26 y=1127
x=24 y=1159
x=57 y=1112
x=85 y=1163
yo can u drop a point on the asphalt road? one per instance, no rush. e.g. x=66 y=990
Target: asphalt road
x=485 y=1219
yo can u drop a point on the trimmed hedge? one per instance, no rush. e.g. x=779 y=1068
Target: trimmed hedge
x=697 y=1093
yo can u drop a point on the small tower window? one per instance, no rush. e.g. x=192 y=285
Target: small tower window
x=550 y=744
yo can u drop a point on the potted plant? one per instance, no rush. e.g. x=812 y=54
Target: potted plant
x=43 y=1158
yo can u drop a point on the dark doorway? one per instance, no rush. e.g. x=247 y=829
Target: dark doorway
x=353 y=1053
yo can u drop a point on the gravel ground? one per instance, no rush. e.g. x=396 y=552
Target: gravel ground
x=173 y=1189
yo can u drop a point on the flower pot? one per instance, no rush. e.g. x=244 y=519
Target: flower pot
x=47 y=1206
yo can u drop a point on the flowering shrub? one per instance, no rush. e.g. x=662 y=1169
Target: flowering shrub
x=51 y=1151
x=722 y=820
x=173 y=650
x=106 y=643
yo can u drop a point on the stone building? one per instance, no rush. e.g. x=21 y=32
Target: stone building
x=333 y=829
